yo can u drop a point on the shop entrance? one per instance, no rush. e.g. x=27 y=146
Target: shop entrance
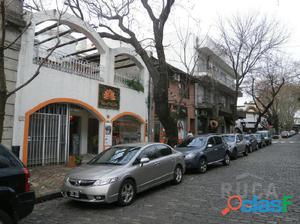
x=126 y=129
x=59 y=130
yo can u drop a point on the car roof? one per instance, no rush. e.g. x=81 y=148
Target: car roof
x=138 y=144
x=207 y=135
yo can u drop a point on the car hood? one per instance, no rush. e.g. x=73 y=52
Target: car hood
x=93 y=172
x=187 y=150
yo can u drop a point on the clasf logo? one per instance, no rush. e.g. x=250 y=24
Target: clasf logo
x=235 y=203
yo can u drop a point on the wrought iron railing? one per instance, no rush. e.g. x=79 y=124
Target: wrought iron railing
x=124 y=79
x=69 y=64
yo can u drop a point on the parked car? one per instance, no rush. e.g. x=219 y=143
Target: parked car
x=260 y=140
x=251 y=142
x=16 y=198
x=276 y=136
x=117 y=174
x=292 y=132
x=236 y=144
x=204 y=150
x=285 y=134
x=266 y=136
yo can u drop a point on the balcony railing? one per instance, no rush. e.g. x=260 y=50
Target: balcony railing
x=220 y=78
x=70 y=65
x=132 y=81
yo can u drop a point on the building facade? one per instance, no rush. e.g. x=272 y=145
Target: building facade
x=182 y=106
x=214 y=92
x=87 y=97
x=13 y=29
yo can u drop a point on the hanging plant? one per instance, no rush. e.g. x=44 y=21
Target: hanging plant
x=135 y=84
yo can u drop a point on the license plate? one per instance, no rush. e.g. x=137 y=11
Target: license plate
x=74 y=194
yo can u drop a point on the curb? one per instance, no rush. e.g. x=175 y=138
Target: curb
x=48 y=197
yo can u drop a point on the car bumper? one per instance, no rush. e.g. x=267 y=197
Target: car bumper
x=25 y=204
x=101 y=194
x=191 y=163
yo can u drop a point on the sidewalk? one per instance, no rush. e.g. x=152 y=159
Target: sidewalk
x=46 y=181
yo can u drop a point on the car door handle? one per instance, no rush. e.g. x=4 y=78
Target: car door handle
x=156 y=164
x=216 y=149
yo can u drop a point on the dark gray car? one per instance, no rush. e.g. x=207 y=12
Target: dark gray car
x=203 y=150
x=236 y=144
x=120 y=172
x=251 y=142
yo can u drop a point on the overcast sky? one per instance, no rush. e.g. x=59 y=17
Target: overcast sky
x=286 y=11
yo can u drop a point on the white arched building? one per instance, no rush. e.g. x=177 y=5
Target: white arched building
x=87 y=96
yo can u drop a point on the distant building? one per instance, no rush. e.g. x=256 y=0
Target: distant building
x=296 y=125
x=214 y=92
x=248 y=115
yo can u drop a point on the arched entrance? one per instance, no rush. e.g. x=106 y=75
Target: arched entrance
x=128 y=128
x=58 y=128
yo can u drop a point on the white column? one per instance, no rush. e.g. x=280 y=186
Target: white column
x=84 y=133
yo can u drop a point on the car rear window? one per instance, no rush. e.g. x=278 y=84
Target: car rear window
x=7 y=159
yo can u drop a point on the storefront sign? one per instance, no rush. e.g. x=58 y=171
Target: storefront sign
x=109 y=97
x=108 y=135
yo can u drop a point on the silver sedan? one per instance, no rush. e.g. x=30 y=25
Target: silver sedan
x=120 y=172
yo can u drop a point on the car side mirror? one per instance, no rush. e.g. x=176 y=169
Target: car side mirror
x=144 y=160
x=209 y=146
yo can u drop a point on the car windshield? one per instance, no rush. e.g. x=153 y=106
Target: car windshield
x=258 y=136
x=197 y=142
x=118 y=155
x=229 y=138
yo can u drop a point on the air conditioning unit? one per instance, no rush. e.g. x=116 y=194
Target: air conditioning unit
x=177 y=77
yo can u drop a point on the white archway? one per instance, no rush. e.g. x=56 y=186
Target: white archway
x=74 y=23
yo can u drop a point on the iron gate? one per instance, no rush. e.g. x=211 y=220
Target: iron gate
x=48 y=135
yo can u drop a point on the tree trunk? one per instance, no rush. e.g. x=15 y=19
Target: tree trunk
x=258 y=121
x=162 y=110
x=160 y=92
x=275 y=120
x=2 y=112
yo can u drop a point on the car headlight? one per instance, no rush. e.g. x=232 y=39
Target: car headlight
x=190 y=156
x=66 y=179
x=101 y=182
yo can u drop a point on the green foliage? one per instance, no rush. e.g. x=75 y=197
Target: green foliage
x=135 y=84
x=78 y=160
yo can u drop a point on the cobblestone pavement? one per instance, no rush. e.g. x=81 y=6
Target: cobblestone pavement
x=268 y=172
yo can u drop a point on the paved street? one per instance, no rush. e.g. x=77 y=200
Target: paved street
x=270 y=172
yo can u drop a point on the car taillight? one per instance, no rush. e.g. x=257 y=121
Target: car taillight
x=27 y=176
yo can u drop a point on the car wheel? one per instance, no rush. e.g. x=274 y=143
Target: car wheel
x=126 y=193
x=234 y=154
x=178 y=174
x=226 y=160
x=245 y=153
x=202 y=168
x=5 y=218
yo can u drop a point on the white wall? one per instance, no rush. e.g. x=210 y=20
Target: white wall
x=56 y=84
